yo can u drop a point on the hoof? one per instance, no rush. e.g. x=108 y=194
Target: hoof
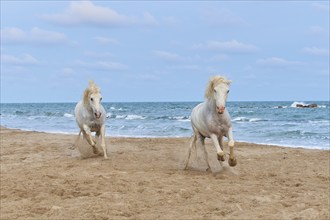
x=95 y=151
x=232 y=162
x=221 y=157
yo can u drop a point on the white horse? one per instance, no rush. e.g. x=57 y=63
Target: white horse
x=211 y=119
x=90 y=116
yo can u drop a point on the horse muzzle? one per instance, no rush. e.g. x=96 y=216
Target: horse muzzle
x=98 y=115
x=221 y=109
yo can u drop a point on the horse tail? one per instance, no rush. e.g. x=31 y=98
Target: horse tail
x=191 y=149
x=193 y=144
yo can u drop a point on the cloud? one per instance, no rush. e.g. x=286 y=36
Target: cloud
x=97 y=54
x=278 y=62
x=170 y=20
x=106 y=40
x=321 y=7
x=219 y=58
x=149 y=77
x=187 y=67
x=317 y=31
x=25 y=59
x=316 y=51
x=35 y=35
x=221 y=17
x=86 y=13
x=68 y=72
x=169 y=57
x=232 y=46
x=101 y=65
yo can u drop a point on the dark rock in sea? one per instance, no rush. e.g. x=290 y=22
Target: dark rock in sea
x=313 y=105
x=279 y=106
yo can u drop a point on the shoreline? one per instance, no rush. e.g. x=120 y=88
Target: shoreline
x=43 y=177
x=169 y=137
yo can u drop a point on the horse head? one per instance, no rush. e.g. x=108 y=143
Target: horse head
x=217 y=90
x=93 y=98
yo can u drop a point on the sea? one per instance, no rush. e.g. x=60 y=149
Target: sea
x=272 y=123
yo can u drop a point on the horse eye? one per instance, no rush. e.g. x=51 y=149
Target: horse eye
x=100 y=99
x=227 y=91
x=92 y=99
x=215 y=91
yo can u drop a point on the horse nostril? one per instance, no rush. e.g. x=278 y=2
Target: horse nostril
x=221 y=109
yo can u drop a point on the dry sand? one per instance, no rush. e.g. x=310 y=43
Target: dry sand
x=43 y=178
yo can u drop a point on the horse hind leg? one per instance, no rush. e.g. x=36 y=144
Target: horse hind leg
x=202 y=140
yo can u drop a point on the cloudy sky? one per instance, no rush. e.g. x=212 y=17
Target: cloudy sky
x=164 y=51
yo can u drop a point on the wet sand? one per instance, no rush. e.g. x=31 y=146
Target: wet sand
x=43 y=177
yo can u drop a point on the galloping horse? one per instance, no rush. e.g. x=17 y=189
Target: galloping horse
x=90 y=116
x=211 y=119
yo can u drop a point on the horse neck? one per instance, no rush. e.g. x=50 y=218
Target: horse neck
x=211 y=104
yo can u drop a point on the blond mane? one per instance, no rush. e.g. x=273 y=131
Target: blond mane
x=213 y=82
x=92 y=88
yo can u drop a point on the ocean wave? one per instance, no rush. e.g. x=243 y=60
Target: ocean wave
x=118 y=109
x=68 y=115
x=281 y=106
x=180 y=118
x=134 y=117
x=126 y=117
x=20 y=112
x=245 y=119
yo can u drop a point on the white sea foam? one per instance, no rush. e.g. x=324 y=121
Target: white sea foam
x=180 y=118
x=134 y=117
x=113 y=108
x=255 y=120
x=67 y=115
x=121 y=116
x=294 y=104
x=240 y=119
x=245 y=119
x=303 y=104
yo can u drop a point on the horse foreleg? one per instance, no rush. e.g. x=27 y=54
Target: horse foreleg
x=220 y=153
x=88 y=135
x=232 y=159
x=220 y=140
x=102 y=131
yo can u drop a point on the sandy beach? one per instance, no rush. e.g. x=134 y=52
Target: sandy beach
x=43 y=177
